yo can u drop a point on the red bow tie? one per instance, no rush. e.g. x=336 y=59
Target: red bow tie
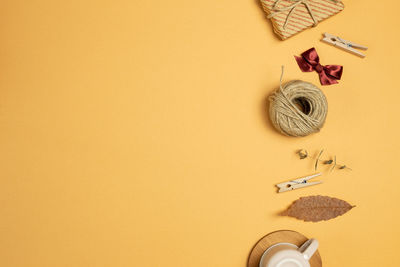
x=309 y=61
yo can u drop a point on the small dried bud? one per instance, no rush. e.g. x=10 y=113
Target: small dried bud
x=328 y=162
x=302 y=153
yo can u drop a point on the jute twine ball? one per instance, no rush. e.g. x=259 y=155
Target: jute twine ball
x=298 y=108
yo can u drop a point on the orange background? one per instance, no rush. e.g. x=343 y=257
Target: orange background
x=135 y=133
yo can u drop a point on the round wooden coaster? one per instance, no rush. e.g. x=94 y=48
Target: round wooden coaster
x=285 y=236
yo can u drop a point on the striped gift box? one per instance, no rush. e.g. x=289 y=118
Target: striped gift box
x=293 y=16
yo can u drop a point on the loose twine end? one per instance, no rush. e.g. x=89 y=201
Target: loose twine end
x=282 y=71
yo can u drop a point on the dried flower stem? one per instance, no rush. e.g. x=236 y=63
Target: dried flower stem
x=304 y=154
x=316 y=162
x=334 y=165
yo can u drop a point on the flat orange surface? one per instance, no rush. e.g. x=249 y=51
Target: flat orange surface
x=135 y=133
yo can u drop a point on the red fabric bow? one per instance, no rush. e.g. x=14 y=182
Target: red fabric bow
x=309 y=61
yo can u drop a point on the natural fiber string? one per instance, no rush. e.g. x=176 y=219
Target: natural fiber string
x=298 y=108
x=292 y=7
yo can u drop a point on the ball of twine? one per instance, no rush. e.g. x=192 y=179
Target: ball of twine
x=298 y=108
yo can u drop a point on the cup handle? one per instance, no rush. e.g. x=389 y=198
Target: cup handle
x=308 y=248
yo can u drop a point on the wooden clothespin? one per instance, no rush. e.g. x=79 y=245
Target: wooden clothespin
x=343 y=44
x=298 y=183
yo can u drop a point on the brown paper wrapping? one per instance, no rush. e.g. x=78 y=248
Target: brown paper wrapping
x=299 y=17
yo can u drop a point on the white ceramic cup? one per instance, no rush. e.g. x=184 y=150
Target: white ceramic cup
x=289 y=255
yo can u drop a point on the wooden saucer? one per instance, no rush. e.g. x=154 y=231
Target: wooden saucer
x=282 y=236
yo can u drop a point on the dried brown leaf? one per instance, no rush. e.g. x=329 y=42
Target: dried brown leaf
x=317 y=208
